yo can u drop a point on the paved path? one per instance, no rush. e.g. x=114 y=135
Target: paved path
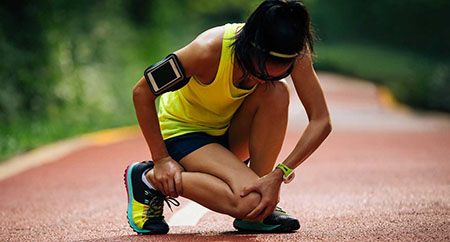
x=382 y=174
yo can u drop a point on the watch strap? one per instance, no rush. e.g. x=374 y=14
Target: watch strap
x=286 y=170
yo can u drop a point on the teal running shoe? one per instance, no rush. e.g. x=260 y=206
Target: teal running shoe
x=145 y=205
x=278 y=222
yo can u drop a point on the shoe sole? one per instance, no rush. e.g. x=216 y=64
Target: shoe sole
x=249 y=227
x=129 y=187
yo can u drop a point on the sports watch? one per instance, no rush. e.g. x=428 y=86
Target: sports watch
x=288 y=173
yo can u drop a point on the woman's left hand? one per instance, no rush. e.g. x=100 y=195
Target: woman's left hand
x=269 y=188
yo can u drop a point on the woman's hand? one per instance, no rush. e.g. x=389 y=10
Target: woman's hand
x=269 y=188
x=168 y=176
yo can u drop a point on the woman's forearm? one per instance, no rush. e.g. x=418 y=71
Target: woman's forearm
x=148 y=121
x=315 y=133
x=144 y=104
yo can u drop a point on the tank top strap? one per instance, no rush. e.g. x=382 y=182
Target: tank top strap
x=225 y=70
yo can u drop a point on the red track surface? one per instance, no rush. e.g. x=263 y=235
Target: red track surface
x=382 y=174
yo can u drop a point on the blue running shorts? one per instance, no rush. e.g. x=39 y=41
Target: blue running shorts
x=180 y=146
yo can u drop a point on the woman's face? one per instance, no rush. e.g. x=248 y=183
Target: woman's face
x=275 y=72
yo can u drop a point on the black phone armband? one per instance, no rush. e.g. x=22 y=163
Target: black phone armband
x=166 y=75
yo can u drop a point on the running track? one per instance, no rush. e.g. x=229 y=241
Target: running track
x=382 y=174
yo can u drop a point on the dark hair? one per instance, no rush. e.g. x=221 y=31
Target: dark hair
x=275 y=27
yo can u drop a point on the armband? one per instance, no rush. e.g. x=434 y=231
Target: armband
x=166 y=75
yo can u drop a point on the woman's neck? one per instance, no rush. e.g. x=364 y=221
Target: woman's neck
x=238 y=78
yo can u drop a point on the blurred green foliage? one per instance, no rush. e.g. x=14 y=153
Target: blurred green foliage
x=68 y=67
x=417 y=25
x=402 y=44
x=423 y=83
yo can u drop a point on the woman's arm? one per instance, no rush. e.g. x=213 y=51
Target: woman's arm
x=196 y=58
x=167 y=171
x=144 y=104
x=311 y=95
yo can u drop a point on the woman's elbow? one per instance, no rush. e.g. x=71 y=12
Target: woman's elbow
x=323 y=123
x=137 y=91
x=137 y=94
x=327 y=126
x=142 y=94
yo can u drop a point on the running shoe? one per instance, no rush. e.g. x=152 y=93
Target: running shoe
x=278 y=222
x=145 y=205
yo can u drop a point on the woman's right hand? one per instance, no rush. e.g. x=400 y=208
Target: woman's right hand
x=167 y=174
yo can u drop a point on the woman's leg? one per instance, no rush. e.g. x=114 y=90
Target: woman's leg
x=214 y=178
x=258 y=128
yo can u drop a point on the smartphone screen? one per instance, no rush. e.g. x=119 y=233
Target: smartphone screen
x=164 y=74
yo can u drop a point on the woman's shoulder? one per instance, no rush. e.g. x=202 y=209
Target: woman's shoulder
x=209 y=43
x=203 y=52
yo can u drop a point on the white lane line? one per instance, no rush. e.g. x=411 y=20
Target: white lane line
x=188 y=215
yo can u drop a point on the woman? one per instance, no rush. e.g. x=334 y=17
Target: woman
x=234 y=107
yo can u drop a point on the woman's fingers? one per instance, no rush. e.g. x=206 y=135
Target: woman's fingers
x=159 y=186
x=248 y=189
x=261 y=216
x=171 y=185
x=166 y=189
x=256 y=211
x=262 y=210
x=265 y=213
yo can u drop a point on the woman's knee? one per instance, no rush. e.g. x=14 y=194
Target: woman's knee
x=241 y=206
x=274 y=95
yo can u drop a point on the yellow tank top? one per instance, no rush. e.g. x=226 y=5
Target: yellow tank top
x=204 y=108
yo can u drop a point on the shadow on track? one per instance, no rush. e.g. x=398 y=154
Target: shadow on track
x=225 y=236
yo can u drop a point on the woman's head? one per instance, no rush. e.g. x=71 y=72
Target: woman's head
x=276 y=33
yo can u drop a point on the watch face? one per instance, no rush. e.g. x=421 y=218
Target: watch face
x=289 y=178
